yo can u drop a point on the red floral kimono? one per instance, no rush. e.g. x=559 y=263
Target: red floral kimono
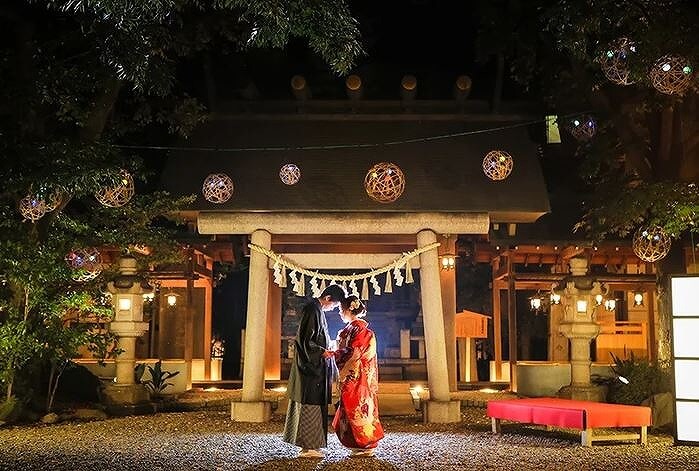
x=356 y=421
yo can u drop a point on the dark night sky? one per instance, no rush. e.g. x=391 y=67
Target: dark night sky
x=433 y=40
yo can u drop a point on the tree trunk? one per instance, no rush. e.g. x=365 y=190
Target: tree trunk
x=673 y=264
x=9 y=387
x=103 y=107
x=54 y=377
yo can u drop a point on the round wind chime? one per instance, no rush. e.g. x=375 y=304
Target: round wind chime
x=497 y=165
x=117 y=194
x=615 y=61
x=217 y=188
x=671 y=74
x=651 y=244
x=53 y=200
x=384 y=182
x=290 y=174
x=583 y=128
x=32 y=207
x=86 y=263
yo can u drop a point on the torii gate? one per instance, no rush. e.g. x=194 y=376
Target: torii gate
x=424 y=225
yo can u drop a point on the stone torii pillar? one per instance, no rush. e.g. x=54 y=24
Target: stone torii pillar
x=439 y=408
x=252 y=408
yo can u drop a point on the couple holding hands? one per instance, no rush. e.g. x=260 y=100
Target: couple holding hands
x=314 y=369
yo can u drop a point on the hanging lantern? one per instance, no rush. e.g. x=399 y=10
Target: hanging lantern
x=610 y=304
x=448 y=261
x=53 y=199
x=88 y=259
x=638 y=298
x=290 y=174
x=217 y=188
x=555 y=298
x=117 y=195
x=32 y=208
x=671 y=75
x=537 y=302
x=614 y=61
x=651 y=244
x=583 y=128
x=497 y=165
x=384 y=182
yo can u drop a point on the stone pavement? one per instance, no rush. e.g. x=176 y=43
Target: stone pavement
x=209 y=440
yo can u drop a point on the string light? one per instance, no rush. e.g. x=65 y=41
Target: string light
x=347 y=146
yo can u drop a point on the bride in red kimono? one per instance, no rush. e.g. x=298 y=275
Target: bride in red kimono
x=356 y=420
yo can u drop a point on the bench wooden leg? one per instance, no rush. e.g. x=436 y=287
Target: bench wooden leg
x=586 y=437
x=495 y=425
x=644 y=435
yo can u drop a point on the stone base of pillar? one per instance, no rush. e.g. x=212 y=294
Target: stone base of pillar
x=583 y=393
x=441 y=412
x=126 y=399
x=251 y=411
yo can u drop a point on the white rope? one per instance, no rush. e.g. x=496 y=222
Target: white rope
x=396 y=265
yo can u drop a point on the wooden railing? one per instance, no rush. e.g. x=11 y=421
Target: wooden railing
x=622 y=338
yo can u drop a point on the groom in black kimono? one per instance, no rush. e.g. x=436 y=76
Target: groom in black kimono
x=310 y=379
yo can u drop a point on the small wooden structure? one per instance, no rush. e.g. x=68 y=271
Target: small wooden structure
x=469 y=326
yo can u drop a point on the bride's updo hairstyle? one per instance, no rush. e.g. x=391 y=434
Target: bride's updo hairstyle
x=354 y=305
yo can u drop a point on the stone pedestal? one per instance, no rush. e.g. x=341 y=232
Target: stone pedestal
x=260 y=411
x=441 y=412
x=126 y=399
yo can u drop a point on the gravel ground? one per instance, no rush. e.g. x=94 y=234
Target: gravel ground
x=208 y=440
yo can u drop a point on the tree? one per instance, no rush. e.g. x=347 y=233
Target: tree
x=81 y=79
x=643 y=161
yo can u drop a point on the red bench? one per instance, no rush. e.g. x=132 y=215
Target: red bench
x=581 y=415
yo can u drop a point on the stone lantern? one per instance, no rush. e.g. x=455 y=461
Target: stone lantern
x=579 y=326
x=127 y=298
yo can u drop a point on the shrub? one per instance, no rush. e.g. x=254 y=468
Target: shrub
x=635 y=380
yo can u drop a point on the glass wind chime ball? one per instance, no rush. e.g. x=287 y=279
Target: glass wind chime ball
x=32 y=207
x=53 y=200
x=290 y=174
x=651 y=244
x=384 y=182
x=217 y=188
x=583 y=128
x=117 y=193
x=86 y=263
x=615 y=61
x=671 y=75
x=497 y=165
x=88 y=259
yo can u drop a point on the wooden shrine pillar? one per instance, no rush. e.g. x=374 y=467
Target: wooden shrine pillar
x=273 y=338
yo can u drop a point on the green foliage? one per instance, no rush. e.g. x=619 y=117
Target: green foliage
x=644 y=380
x=17 y=348
x=639 y=175
x=10 y=410
x=674 y=206
x=157 y=382
x=81 y=77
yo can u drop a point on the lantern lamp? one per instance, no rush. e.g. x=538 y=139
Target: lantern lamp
x=555 y=298
x=124 y=304
x=581 y=306
x=638 y=298
x=448 y=261
x=171 y=299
